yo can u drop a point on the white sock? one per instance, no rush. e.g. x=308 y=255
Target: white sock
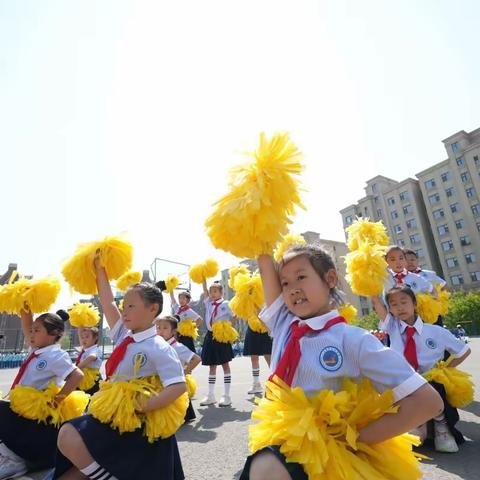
x=441 y=419
x=211 y=385
x=227 y=381
x=256 y=376
x=6 y=452
x=95 y=472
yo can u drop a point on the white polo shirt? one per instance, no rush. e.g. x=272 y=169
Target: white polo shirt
x=93 y=350
x=155 y=355
x=431 y=276
x=431 y=341
x=52 y=364
x=183 y=352
x=189 y=313
x=341 y=351
x=223 y=312
x=414 y=281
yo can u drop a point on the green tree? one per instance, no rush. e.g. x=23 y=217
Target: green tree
x=368 y=322
x=465 y=309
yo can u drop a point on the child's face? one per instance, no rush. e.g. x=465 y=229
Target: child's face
x=39 y=337
x=401 y=306
x=304 y=292
x=412 y=262
x=87 y=338
x=164 y=329
x=182 y=300
x=137 y=315
x=396 y=261
x=215 y=293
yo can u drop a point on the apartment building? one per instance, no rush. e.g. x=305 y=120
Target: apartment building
x=451 y=194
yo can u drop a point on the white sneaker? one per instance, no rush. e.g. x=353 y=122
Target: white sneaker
x=256 y=388
x=420 y=432
x=208 y=400
x=11 y=468
x=444 y=440
x=225 y=401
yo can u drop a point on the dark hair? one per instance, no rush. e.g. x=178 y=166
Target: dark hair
x=171 y=320
x=393 y=248
x=410 y=252
x=54 y=323
x=401 y=289
x=186 y=293
x=217 y=284
x=150 y=294
x=321 y=262
x=94 y=330
x=161 y=285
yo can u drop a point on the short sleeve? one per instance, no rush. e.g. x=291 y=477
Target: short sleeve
x=387 y=369
x=387 y=325
x=118 y=332
x=168 y=366
x=452 y=344
x=175 y=308
x=193 y=314
x=62 y=366
x=425 y=285
x=273 y=315
x=184 y=353
x=224 y=312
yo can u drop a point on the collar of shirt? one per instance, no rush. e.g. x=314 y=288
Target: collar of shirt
x=418 y=325
x=172 y=340
x=219 y=301
x=49 y=348
x=317 y=323
x=141 y=336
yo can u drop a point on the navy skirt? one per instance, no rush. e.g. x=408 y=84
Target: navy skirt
x=188 y=342
x=215 y=353
x=126 y=455
x=34 y=442
x=190 y=413
x=257 y=343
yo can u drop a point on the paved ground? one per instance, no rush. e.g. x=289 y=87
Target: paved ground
x=221 y=433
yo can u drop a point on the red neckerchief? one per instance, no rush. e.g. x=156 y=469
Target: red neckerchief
x=23 y=367
x=117 y=356
x=183 y=309
x=77 y=361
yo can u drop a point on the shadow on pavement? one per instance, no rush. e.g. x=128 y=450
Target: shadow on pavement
x=214 y=417
x=192 y=433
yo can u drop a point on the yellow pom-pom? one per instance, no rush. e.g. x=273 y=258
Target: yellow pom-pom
x=249 y=297
x=202 y=271
x=191 y=386
x=321 y=432
x=120 y=304
x=443 y=299
x=127 y=279
x=223 y=332
x=428 y=307
x=256 y=325
x=83 y=315
x=90 y=376
x=287 y=242
x=348 y=312
x=458 y=386
x=115 y=256
x=172 y=282
x=366 y=270
x=28 y=402
x=362 y=230
x=188 y=328
x=233 y=272
x=264 y=193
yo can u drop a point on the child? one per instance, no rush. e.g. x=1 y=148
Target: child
x=33 y=439
x=167 y=328
x=185 y=312
x=423 y=345
x=411 y=258
x=99 y=450
x=89 y=359
x=216 y=353
x=257 y=344
x=299 y=295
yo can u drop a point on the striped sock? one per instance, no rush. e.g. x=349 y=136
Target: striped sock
x=227 y=380
x=256 y=375
x=211 y=384
x=95 y=472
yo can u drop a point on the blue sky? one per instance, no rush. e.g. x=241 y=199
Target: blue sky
x=112 y=112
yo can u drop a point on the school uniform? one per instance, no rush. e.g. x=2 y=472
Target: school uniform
x=93 y=365
x=430 y=276
x=130 y=455
x=330 y=355
x=33 y=441
x=213 y=352
x=184 y=313
x=257 y=343
x=417 y=283
x=431 y=342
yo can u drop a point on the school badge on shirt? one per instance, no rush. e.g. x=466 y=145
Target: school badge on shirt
x=140 y=359
x=331 y=359
x=431 y=343
x=41 y=365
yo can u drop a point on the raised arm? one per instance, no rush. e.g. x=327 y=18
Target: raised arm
x=379 y=307
x=110 y=309
x=27 y=322
x=205 y=289
x=270 y=280
x=172 y=299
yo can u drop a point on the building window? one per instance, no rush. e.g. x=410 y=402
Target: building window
x=460 y=224
x=415 y=238
x=445 y=176
x=476 y=160
x=455 y=146
x=475 y=276
x=430 y=184
x=394 y=214
x=460 y=161
x=454 y=207
x=457 y=279
x=449 y=192
x=374 y=188
x=465 y=240
x=375 y=199
x=398 y=229
x=442 y=229
x=379 y=213
x=447 y=246
x=404 y=196
x=470 y=192
x=365 y=311
x=478 y=226
x=401 y=243
x=438 y=213
x=470 y=258
x=407 y=209
x=433 y=199
x=476 y=209
x=452 y=262
x=348 y=220
x=465 y=176
x=365 y=209
x=420 y=253
x=390 y=201
x=412 y=223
